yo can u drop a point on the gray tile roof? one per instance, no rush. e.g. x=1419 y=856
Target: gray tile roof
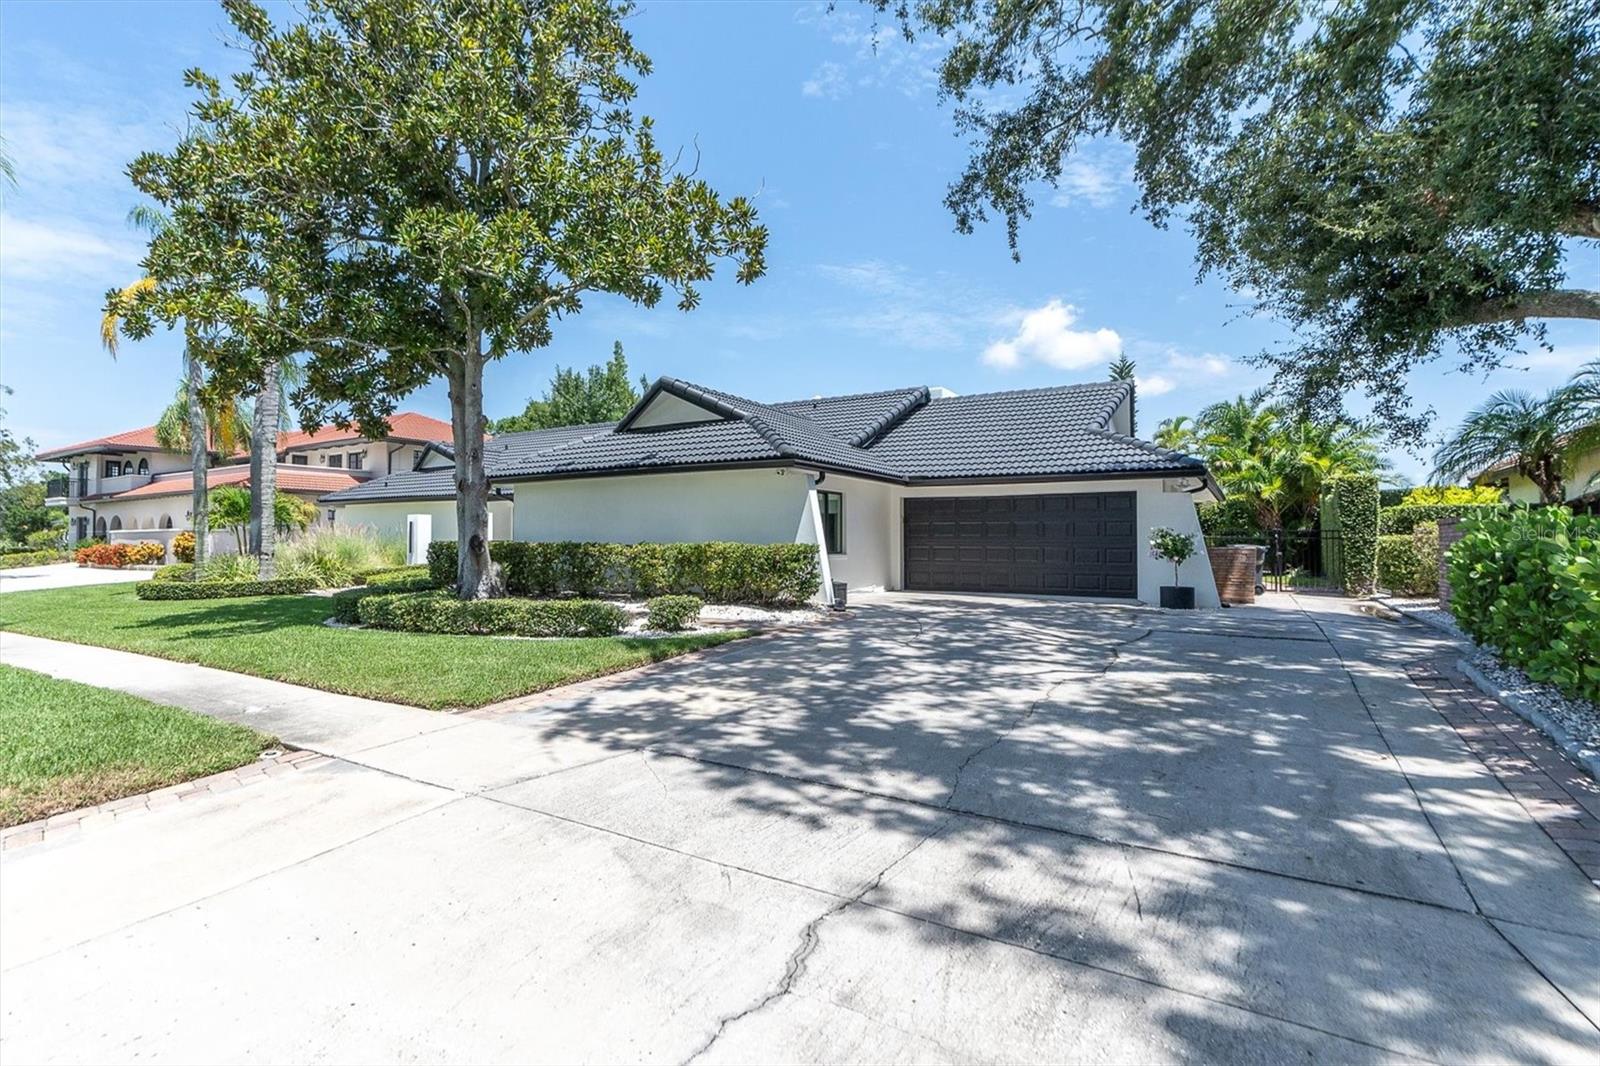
x=901 y=435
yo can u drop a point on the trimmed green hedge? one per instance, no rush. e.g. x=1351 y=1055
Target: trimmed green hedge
x=720 y=571
x=347 y=604
x=1350 y=506
x=1406 y=518
x=672 y=613
x=1406 y=565
x=174 y=572
x=1527 y=582
x=393 y=575
x=218 y=590
x=438 y=611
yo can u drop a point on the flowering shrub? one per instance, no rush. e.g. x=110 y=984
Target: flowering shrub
x=144 y=553
x=183 y=547
x=102 y=555
x=122 y=553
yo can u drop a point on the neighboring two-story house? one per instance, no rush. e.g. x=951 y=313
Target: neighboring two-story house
x=125 y=486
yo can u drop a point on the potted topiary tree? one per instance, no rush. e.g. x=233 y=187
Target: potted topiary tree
x=1176 y=548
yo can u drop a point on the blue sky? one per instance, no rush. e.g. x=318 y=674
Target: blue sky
x=834 y=130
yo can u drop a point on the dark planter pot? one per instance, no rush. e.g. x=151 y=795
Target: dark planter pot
x=1177 y=597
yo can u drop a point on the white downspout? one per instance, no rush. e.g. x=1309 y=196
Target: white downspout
x=815 y=510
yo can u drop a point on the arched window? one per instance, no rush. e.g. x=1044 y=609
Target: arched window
x=116 y=522
x=144 y=466
x=166 y=521
x=148 y=523
x=100 y=528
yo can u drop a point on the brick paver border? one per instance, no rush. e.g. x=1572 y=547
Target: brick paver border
x=71 y=823
x=1560 y=797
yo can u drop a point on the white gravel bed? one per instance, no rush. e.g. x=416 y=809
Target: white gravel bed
x=1578 y=719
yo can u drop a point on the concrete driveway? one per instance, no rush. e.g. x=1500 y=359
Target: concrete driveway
x=64 y=575
x=947 y=829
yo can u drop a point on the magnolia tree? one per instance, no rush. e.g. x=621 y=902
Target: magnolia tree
x=410 y=189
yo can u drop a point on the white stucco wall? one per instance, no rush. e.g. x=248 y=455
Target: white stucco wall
x=389 y=519
x=871 y=520
x=753 y=506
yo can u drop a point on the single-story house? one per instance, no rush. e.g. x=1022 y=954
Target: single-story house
x=1036 y=491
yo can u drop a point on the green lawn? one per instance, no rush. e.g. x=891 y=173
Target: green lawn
x=283 y=637
x=64 y=745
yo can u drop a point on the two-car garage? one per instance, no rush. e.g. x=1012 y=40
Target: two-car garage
x=1075 y=544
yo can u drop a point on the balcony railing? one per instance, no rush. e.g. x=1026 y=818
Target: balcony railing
x=55 y=490
x=72 y=489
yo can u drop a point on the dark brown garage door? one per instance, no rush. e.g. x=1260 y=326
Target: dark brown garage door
x=1079 y=543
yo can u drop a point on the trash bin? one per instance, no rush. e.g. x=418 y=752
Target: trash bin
x=841 y=595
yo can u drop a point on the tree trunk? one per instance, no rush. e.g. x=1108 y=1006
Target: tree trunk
x=199 y=458
x=264 y=471
x=1556 y=303
x=477 y=576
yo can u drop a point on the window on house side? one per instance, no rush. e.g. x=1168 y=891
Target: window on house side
x=832 y=506
x=336 y=460
x=357 y=460
x=113 y=468
x=299 y=459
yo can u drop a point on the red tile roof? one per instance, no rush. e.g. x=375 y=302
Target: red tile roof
x=133 y=438
x=404 y=425
x=299 y=479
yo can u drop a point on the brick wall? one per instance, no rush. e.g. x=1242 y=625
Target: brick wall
x=1235 y=571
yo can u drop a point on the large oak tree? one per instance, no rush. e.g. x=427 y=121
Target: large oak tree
x=1395 y=179
x=410 y=189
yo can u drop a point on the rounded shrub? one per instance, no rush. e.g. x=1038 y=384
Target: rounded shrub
x=673 y=613
x=439 y=611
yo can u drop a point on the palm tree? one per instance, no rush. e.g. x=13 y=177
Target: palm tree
x=278 y=375
x=1176 y=434
x=193 y=416
x=1536 y=436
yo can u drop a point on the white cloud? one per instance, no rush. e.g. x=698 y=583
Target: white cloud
x=1206 y=363
x=1099 y=174
x=1154 y=385
x=826 y=82
x=51 y=249
x=914 y=311
x=1045 y=335
x=875 y=55
x=1563 y=357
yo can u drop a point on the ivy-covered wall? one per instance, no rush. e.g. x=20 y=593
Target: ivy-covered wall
x=1350 y=506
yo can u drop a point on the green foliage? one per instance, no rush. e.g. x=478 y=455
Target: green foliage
x=23 y=513
x=1449 y=495
x=230 y=509
x=1406 y=518
x=1408 y=563
x=1233 y=517
x=211 y=589
x=1527 y=582
x=339 y=557
x=439 y=612
x=32 y=558
x=53 y=538
x=346 y=604
x=17 y=467
x=604 y=394
x=1392 y=181
x=1176 y=548
x=1353 y=510
x=416 y=189
x=673 y=613
x=1537 y=436
x=393 y=575
x=234 y=568
x=1270 y=460
x=174 y=572
x=723 y=572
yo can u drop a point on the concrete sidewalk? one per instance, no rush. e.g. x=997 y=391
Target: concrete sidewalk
x=300 y=717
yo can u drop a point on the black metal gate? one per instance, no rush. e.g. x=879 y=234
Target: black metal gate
x=1295 y=560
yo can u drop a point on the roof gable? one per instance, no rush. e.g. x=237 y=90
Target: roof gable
x=670 y=403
